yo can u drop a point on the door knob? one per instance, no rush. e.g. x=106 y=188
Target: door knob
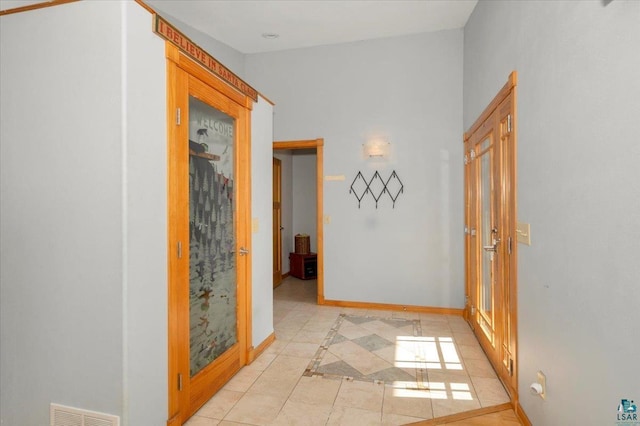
x=243 y=251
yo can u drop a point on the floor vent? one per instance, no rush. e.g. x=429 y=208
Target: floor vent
x=68 y=416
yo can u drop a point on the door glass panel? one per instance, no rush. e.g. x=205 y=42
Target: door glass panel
x=484 y=144
x=487 y=257
x=212 y=268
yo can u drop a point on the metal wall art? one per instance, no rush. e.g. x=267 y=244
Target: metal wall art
x=377 y=186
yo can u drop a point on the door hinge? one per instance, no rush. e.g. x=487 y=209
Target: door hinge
x=179 y=381
x=178 y=116
x=511 y=366
x=179 y=249
x=509 y=123
x=473 y=310
x=509 y=245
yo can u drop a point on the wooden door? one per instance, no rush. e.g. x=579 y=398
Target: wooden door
x=277 y=222
x=209 y=213
x=490 y=233
x=485 y=234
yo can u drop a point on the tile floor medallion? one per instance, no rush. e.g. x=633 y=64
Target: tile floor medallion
x=373 y=349
x=349 y=366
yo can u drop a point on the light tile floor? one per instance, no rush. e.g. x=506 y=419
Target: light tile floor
x=274 y=391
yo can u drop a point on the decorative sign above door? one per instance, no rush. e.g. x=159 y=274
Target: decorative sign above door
x=171 y=34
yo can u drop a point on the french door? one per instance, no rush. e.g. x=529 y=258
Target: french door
x=490 y=233
x=209 y=208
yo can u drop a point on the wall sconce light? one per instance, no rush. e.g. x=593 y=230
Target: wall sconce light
x=376 y=148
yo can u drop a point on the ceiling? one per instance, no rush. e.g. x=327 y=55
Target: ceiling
x=305 y=23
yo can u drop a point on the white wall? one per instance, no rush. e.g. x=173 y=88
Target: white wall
x=304 y=196
x=145 y=228
x=408 y=89
x=578 y=156
x=61 y=212
x=287 y=206
x=262 y=213
x=83 y=167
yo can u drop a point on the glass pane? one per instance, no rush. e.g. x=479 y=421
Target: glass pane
x=484 y=144
x=212 y=269
x=486 y=287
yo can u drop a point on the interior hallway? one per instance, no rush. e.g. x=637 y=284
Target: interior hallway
x=275 y=390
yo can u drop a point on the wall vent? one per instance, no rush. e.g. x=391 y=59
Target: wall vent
x=61 y=415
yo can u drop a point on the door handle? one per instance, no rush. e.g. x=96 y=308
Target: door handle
x=243 y=251
x=493 y=248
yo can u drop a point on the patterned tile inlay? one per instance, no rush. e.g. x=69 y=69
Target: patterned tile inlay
x=370 y=354
x=372 y=342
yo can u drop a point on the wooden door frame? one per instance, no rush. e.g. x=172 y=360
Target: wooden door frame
x=277 y=228
x=178 y=62
x=509 y=218
x=318 y=144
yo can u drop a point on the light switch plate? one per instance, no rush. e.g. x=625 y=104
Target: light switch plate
x=255 y=225
x=542 y=379
x=524 y=233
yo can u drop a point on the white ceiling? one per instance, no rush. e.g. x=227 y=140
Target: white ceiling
x=304 y=23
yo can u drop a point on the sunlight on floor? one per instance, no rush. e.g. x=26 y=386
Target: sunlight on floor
x=429 y=353
x=433 y=390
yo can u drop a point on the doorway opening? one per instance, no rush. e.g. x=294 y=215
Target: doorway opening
x=316 y=145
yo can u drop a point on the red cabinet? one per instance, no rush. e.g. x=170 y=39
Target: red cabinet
x=303 y=266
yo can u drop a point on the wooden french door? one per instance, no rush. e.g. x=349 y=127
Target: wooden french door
x=209 y=213
x=277 y=222
x=490 y=233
